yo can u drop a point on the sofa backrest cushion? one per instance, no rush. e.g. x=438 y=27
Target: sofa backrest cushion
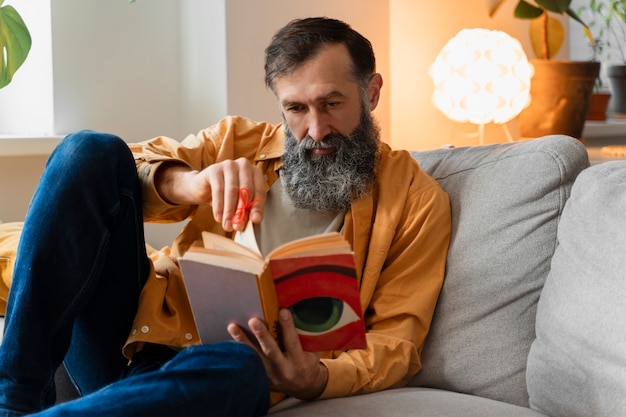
x=577 y=364
x=506 y=202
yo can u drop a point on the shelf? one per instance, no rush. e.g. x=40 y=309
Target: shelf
x=16 y=145
x=608 y=132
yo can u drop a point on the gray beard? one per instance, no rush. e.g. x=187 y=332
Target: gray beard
x=331 y=182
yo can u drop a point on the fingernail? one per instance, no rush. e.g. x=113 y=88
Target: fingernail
x=256 y=325
x=235 y=331
x=284 y=315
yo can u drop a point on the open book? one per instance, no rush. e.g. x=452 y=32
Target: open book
x=230 y=281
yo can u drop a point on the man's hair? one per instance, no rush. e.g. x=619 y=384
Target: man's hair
x=301 y=39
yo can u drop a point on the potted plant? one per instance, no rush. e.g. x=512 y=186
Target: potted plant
x=608 y=18
x=560 y=90
x=599 y=101
x=15 y=43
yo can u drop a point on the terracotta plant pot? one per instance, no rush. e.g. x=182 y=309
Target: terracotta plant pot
x=560 y=92
x=598 y=106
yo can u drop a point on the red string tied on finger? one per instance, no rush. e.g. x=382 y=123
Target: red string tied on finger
x=246 y=205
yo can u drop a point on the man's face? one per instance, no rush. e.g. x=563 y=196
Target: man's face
x=328 y=175
x=331 y=143
x=320 y=97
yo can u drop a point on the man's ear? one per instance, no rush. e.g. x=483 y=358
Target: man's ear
x=373 y=90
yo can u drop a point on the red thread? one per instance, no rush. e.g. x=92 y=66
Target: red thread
x=244 y=196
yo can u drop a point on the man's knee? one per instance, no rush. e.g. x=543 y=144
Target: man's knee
x=87 y=153
x=237 y=359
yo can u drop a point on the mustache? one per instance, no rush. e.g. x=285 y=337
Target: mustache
x=332 y=181
x=329 y=141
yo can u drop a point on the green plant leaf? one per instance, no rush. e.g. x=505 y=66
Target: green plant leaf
x=15 y=43
x=525 y=10
x=555 y=6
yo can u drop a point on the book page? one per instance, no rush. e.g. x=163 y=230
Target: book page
x=322 y=244
x=218 y=243
x=247 y=238
x=226 y=259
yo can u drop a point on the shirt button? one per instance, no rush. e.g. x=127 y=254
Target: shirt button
x=188 y=336
x=145 y=329
x=262 y=156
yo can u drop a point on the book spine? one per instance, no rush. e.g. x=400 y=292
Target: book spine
x=269 y=301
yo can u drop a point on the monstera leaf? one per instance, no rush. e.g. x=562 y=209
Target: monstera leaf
x=15 y=43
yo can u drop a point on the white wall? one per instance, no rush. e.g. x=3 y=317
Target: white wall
x=116 y=66
x=203 y=67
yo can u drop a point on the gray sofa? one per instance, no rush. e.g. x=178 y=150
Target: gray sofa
x=532 y=316
x=502 y=343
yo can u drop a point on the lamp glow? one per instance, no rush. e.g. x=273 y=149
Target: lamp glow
x=481 y=76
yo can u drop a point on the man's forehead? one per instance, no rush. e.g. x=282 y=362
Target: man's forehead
x=290 y=91
x=331 y=66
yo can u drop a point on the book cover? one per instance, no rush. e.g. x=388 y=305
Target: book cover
x=314 y=277
x=323 y=296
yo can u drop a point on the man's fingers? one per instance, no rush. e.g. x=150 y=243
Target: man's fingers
x=259 y=197
x=266 y=341
x=232 y=185
x=238 y=190
x=251 y=194
x=291 y=340
x=241 y=335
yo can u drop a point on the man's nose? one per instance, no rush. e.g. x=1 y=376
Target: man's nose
x=318 y=126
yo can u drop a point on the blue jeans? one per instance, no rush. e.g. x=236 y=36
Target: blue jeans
x=80 y=267
x=222 y=379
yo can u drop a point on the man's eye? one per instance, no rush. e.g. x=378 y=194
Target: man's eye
x=332 y=104
x=294 y=109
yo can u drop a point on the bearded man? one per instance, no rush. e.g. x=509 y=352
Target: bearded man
x=84 y=289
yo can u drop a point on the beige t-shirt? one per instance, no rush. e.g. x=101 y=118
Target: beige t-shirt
x=282 y=222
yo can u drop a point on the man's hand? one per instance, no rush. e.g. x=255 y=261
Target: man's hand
x=218 y=185
x=294 y=372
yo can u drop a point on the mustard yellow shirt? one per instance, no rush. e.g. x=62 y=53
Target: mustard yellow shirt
x=400 y=235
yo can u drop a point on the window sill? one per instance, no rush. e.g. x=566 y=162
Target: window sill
x=25 y=145
x=609 y=132
x=599 y=134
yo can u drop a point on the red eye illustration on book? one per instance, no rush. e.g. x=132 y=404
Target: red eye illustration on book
x=322 y=300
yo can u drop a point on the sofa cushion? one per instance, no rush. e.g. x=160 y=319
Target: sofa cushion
x=577 y=365
x=403 y=402
x=506 y=202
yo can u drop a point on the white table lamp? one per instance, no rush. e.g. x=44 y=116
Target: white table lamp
x=481 y=76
